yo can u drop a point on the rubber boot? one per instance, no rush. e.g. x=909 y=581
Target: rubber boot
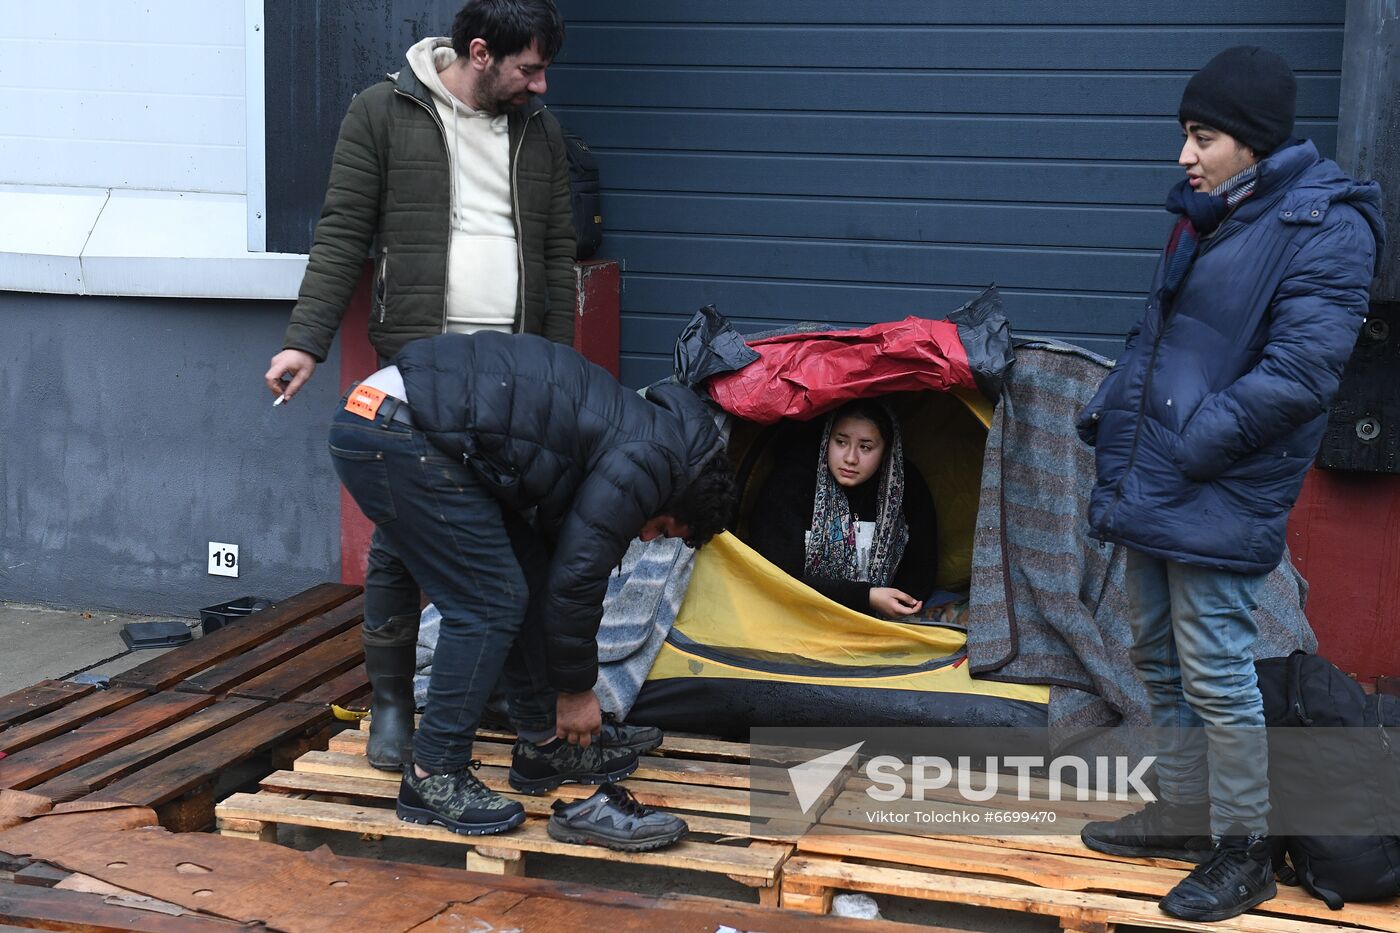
x=391 y=654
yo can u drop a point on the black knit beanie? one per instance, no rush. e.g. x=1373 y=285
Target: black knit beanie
x=1247 y=92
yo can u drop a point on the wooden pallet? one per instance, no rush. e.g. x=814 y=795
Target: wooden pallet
x=704 y=781
x=162 y=733
x=1048 y=875
x=115 y=871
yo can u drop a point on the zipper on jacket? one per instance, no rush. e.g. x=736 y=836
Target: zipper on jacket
x=519 y=227
x=1137 y=425
x=451 y=195
x=381 y=285
x=1225 y=230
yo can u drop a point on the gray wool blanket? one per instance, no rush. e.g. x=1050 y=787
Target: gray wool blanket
x=1047 y=604
x=644 y=595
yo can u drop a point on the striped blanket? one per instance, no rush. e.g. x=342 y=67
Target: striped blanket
x=1047 y=601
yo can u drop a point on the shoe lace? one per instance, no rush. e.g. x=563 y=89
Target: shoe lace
x=622 y=798
x=465 y=773
x=1224 y=861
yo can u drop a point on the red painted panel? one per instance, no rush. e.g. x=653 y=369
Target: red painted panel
x=599 y=283
x=1344 y=535
x=596 y=327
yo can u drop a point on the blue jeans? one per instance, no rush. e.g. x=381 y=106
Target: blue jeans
x=476 y=562
x=1193 y=638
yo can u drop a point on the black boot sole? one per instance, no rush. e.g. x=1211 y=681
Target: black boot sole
x=1211 y=916
x=579 y=837
x=546 y=784
x=382 y=762
x=428 y=818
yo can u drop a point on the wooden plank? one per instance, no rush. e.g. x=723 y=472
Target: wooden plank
x=350 y=686
x=123 y=761
x=649 y=767
x=291 y=890
x=806 y=875
x=190 y=767
x=383 y=792
x=1066 y=815
x=174 y=666
x=759 y=862
x=1075 y=872
x=39 y=763
x=34 y=701
x=67 y=717
x=834 y=823
x=40 y=874
x=223 y=676
x=312 y=667
x=669 y=795
x=53 y=909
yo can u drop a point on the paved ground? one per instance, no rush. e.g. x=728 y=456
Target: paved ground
x=58 y=643
x=48 y=643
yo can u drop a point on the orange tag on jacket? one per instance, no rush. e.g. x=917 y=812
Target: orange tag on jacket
x=365 y=401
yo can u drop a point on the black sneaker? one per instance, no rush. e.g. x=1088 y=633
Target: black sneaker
x=620 y=735
x=1158 y=830
x=537 y=769
x=613 y=818
x=458 y=801
x=1238 y=875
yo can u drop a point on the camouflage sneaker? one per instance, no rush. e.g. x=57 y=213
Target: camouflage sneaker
x=613 y=818
x=537 y=769
x=458 y=801
x=619 y=735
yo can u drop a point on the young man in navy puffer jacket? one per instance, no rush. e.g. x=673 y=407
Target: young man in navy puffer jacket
x=1203 y=432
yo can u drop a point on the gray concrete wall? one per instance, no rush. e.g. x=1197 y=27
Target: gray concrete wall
x=135 y=431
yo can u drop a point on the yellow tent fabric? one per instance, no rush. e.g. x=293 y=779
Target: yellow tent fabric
x=744 y=618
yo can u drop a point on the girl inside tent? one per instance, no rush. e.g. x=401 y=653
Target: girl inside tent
x=849 y=516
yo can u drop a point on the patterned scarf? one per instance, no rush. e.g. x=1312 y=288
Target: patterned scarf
x=1201 y=214
x=831 y=541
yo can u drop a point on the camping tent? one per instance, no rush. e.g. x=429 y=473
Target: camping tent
x=1046 y=640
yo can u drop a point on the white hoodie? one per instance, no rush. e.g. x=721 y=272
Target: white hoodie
x=483 y=274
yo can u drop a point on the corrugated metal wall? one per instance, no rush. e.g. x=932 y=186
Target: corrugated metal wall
x=859 y=161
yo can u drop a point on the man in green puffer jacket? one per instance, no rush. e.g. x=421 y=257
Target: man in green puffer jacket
x=459 y=180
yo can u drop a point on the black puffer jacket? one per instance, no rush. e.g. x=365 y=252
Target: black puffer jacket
x=547 y=430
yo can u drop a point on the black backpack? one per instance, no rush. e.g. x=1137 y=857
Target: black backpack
x=586 y=196
x=1307 y=690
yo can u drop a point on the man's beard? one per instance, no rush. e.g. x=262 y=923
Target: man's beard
x=488 y=95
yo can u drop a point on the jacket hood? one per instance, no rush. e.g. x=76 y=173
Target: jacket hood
x=698 y=428
x=426 y=58
x=1316 y=184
